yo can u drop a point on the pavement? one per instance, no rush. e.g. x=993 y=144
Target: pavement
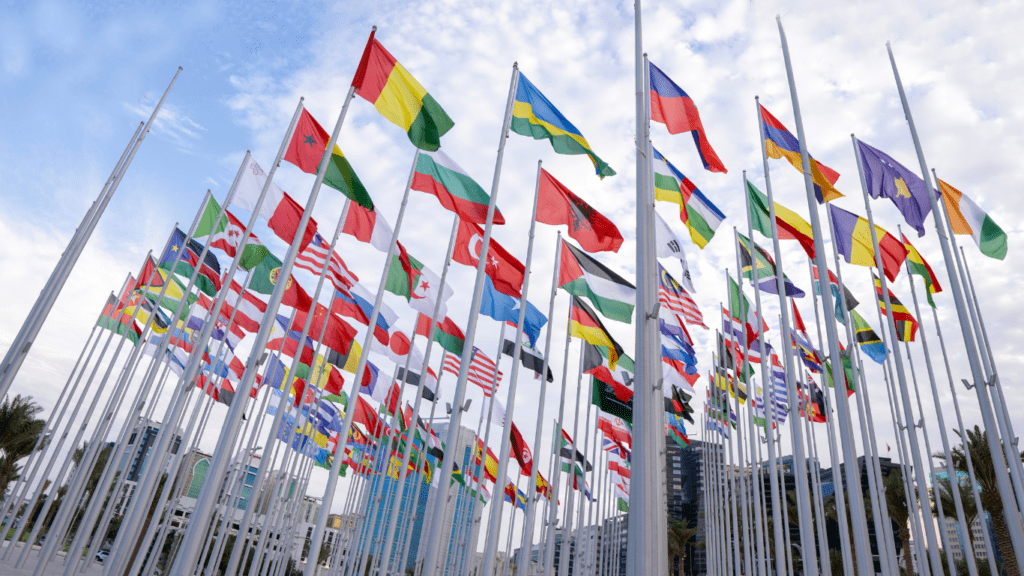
x=54 y=568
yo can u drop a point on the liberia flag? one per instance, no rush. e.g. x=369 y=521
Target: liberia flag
x=312 y=258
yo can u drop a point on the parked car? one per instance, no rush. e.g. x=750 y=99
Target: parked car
x=102 y=555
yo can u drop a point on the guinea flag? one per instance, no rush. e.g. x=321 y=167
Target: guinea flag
x=385 y=83
x=439 y=175
x=919 y=266
x=556 y=205
x=306 y=151
x=584 y=324
x=581 y=275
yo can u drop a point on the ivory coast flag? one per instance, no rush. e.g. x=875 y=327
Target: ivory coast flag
x=966 y=217
x=380 y=79
x=584 y=324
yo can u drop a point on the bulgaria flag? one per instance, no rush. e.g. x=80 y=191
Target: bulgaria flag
x=306 y=150
x=966 y=217
x=581 y=275
x=278 y=209
x=439 y=175
x=419 y=285
x=695 y=210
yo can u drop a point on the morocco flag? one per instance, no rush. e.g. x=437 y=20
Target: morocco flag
x=505 y=271
x=557 y=204
x=439 y=175
x=306 y=150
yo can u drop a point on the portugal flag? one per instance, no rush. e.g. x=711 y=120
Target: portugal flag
x=584 y=324
x=557 y=204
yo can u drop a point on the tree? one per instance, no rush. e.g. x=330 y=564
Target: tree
x=899 y=512
x=19 y=431
x=679 y=535
x=985 y=473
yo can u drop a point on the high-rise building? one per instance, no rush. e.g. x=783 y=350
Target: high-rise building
x=136 y=457
x=459 y=530
x=959 y=543
x=412 y=510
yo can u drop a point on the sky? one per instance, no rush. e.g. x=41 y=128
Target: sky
x=77 y=78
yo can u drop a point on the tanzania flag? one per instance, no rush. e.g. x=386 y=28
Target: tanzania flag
x=919 y=266
x=439 y=175
x=677 y=111
x=966 y=217
x=853 y=239
x=780 y=143
x=534 y=115
x=789 y=224
x=695 y=210
x=869 y=341
x=381 y=80
x=906 y=324
x=306 y=150
x=557 y=205
x=584 y=324
x=581 y=275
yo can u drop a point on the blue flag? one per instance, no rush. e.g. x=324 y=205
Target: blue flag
x=888 y=178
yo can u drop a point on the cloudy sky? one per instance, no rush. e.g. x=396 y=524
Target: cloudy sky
x=78 y=78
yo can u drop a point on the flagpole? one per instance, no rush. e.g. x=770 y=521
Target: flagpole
x=583 y=492
x=729 y=476
x=21 y=344
x=556 y=477
x=565 y=559
x=755 y=274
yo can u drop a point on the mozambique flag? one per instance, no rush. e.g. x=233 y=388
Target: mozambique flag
x=852 y=235
x=789 y=224
x=868 y=339
x=581 y=275
x=780 y=143
x=695 y=210
x=906 y=324
x=381 y=80
x=534 y=115
x=919 y=266
x=306 y=150
x=584 y=324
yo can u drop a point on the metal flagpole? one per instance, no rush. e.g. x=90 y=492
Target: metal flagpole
x=858 y=516
x=556 y=477
x=742 y=500
x=21 y=344
x=584 y=498
x=1006 y=489
x=567 y=547
x=915 y=450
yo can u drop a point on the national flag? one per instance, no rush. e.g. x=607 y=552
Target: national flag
x=595 y=363
x=906 y=324
x=429 y=385
x=121 y=324
x=385 y=83
x=885 y=177
x=226 y=234
x=504 y=270
x=401 y=347
x=357 y=303
x=367 y=416
x=744 y=312
x=674 y=297
x=347 y=362
x=338 y=334
x=616 y=429
x=671 y=106
x=780 y=143
x=919 y=266
x=608 y=400
x=521 y=451
x=306 y=151
x=802 y=342
x=281 y=213
x=558 y=205
x=417 y=283
x=535 y=116
x=753 y=256
x=851 y=382
x=368 y=226
x=695 y=210
x=446 y=333
x=853 y=239
x=584 y=324
x=788 y=224
x=966 y=217
x=669 y=246
x=482 y=370
x=833 y=282
x=437 y=174
x=515 y=497
x=264 y=277
x=313 y=257
x=568 y=453
x=581 y=275
x=533 y=321
x=208 y=279
x=322 y=374
x=869 y=341
x=531 y=359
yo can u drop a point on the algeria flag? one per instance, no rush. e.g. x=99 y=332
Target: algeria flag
x=966 y=217
x=419 y=285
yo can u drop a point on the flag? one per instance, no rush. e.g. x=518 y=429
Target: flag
x=669 y=246
x=533 y=321
x=401 y=347
x=226 y=234
x=744 y=312
x=767 y=272
x=121 y=324
x=313 y=258
x=337 y=335
x=357 y=303
x=695 y=210
x=263 y=278
x=446 y=333
x=780 y=143
x=584 y=324
x=531 y=359
x=535 y=116
x=789 y=224
x=966 y=217
x=869 y=341
x=581 y=275
x=568 y=453
x=885 y=177
x=919 y=266
x=616 y=429
x=802 y=342
x=604 y=396
x=368 y=226
x=833 y=282
x=322 y=374
x=853 y=239
x=306 y=151
x=851 y=382
x=385 y=83
x=504 y=270
x=281 y=213
x=521 y=451
x=437 y=174
x=672 y=295
x=558 y=205
x=671 y=106
x=482 y=370
x=208 y=279
x=418 y=284
x=906 y=324
x=595 y=363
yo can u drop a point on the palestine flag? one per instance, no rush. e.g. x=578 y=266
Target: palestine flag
x=919 y=266
x=306 y=150
x=558 y=205
x=584 y=324
x=581 y=275
x=606 y=399
x=439 y=175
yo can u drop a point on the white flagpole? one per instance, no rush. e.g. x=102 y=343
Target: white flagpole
x=565 y=559
x=744 y=506
x=441 y=504
x=584 y=499
x=556 y=478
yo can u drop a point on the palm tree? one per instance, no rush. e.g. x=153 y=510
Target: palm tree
x=899 y=512
x=19 y=431
x=679 y=535
x=991 y=501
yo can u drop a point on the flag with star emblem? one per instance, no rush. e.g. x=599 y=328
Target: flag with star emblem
x=419 y=285
x=887 y=177
x=557 y=204
x=208 y=279
x=505 y=271
x=306 y=150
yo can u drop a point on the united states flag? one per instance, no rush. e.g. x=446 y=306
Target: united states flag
x=674 y=297
x=312 y=259
x=481 y=370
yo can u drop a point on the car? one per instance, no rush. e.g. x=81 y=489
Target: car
x=102 y=555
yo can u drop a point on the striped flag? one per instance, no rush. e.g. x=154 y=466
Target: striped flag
x=673 y=296
x=481 y=370
x=312 y=258
x=695 y=210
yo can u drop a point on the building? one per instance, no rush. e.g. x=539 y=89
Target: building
x=459 y=531
x=133 y=463
x=958 y=542
x=412 y=511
